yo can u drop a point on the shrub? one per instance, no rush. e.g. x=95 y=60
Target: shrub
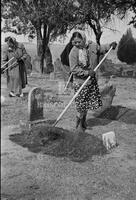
x=127 y=48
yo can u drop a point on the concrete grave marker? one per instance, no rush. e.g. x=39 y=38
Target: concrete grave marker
x=35 y=104
x=109 y=140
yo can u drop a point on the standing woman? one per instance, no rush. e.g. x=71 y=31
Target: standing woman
x=82 y=66
x=16 y=75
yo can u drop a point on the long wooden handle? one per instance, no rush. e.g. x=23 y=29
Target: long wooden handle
x=10 y=66
x=7 y=62
x=68 y=81
x=76 y=94
x=103 y=59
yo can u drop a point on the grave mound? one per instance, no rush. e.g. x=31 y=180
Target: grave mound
x=59 y=142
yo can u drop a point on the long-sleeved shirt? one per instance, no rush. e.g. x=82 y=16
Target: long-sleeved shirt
x=8 y=53
x=18 y=71
x=79 y=70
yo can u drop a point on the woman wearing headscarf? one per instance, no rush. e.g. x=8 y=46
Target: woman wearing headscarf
x=16 y=74
x=82 y=63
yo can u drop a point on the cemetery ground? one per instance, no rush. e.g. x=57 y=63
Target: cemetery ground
x=56 y=172
x=46 y=174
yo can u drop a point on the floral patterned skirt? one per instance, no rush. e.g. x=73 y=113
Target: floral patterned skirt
x=89 y=97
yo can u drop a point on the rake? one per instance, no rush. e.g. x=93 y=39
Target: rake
x=68 y=82
x=9 y=66
x=76 y=94
x=7 y=62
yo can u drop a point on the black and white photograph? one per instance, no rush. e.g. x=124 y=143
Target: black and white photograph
x=68 y=99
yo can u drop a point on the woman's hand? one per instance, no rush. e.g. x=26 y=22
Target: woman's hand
x=113 y=45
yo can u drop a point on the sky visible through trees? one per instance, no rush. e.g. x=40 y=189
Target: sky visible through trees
x=108 y=35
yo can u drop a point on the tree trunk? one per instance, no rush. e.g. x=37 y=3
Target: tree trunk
x=43 y=50
x=48 y=60
x=40 y=48
x=98 y=37
x=97 y=31
x=47 y=53
x=98 y=34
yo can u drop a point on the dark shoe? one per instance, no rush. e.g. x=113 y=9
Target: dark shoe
x=79 y=124
x=84 y=124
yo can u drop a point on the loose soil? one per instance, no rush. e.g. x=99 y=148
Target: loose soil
x=61 y=163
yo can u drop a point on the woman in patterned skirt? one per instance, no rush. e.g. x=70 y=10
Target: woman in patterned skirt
x=82 y=64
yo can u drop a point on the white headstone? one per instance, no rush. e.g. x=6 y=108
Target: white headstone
x=109 y=140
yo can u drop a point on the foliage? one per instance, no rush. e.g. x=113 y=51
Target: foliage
x=96 y=14
x=127 y=48
x=54 y=17
x=45 y=19
x=25 y=16
x=123 y=6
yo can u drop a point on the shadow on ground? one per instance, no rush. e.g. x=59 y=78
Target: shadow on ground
x=58 y=142
x=97 y=122
x=119 y=113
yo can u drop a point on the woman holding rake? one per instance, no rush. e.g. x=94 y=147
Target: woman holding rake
x=16 y=74
x=82 y=63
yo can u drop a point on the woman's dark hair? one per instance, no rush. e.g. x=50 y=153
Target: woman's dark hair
x=77 y=34
x=65 y=54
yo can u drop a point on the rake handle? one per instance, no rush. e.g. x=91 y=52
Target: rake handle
x=76 y=94
x=68 y=81
x=7 y=62
x=10 y=66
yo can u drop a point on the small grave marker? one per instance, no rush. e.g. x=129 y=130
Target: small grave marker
x=109 y=140
x=35 y=104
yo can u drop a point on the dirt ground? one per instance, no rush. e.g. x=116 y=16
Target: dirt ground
x=42 y=174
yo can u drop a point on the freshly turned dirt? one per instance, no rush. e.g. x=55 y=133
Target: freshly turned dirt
x=58 y=142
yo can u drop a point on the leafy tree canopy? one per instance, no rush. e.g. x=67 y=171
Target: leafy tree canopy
x=33 y=16
x=25 y=16
x=123 y=6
